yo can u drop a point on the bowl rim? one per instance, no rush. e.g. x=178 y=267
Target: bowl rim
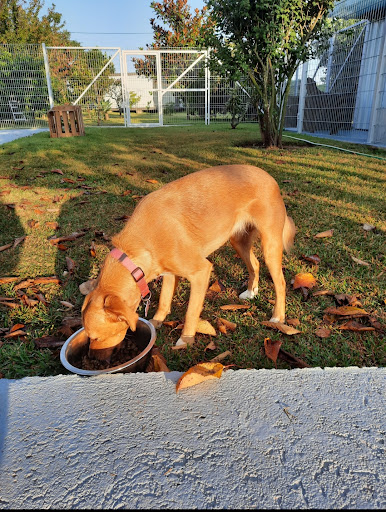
x=113 y=369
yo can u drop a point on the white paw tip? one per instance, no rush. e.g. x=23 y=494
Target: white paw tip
x=180 y=343
x=248 y=294
x=275 y=320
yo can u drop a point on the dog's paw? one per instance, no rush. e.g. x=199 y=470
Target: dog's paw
x=249 y=294
x=157 y=323
x=275 y=320
x=184 y=341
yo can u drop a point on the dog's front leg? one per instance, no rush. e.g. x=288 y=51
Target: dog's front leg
x=199 y=282
x=169 y=285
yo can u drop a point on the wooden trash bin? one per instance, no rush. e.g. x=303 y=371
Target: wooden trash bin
x=65 y=121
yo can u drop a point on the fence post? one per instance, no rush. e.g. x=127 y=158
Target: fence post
x=207 y=88
x=159 y=88
x=48 y=75
x=381 y=69
x=302 y=97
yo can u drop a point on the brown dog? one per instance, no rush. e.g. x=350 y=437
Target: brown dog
x=171 y=233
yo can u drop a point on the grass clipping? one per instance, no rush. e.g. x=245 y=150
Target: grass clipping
x=199 y=373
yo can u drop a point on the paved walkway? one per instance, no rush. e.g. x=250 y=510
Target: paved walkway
x=263 y=439
x=9 y=135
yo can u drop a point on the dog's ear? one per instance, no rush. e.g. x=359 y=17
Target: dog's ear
x=115 y=306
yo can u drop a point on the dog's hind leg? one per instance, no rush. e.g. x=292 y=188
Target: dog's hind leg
x=243 y=243
x=169 y=285
x=199 y=282
x=272 y=243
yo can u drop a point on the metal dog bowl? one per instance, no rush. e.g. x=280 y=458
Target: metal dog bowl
x=77 y=346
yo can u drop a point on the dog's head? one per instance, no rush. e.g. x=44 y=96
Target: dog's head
x=106 y=318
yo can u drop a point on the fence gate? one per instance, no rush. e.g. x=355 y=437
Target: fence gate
x=162 y=87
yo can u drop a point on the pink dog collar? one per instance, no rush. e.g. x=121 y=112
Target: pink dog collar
x=136 y=272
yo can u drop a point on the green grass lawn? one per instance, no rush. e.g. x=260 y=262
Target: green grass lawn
x=103 y=172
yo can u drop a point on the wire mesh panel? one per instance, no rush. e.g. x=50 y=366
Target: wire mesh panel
x=23 y=87
x=184 y=85
x=230 y=100
x=344 y=88
x=140 y=78
x=90 y=78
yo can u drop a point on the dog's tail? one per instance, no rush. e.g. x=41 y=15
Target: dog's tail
x=289 y=232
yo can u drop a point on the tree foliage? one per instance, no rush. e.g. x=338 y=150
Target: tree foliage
x=22 y=23
x=266 y=41
x=175 y=25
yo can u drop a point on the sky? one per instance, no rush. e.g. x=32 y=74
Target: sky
x=126 y=21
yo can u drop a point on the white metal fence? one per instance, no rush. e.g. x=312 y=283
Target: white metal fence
x=342 y=94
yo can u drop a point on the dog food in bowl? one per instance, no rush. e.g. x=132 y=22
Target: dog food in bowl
x=132 y=357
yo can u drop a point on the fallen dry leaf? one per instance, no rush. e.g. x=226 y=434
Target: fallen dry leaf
x=70 y=264
x=325 y=234
x=15 y=334
x=224 y=323
x=92 y=249
x=360 y=262
x=203 y=327
x=171 y=323
x=293 y=321
x=304 y=280
x=221 y=356
x=354 y=326
x=343 y=299
x=286 y=329
x=152 y=181
x=5 y=280
x=199 y=373
x=210 y=346
x=322 y=292
x=272 y=348
x=157 y=362
x=234 y=307
x=49 y=341
x=5 y=247
x=368 y=227
x=292 y=360
x=351 y=311
x=217 y=287
x=67 y=238
x=57 y=171
x=323 y=332
x=16 y=327
x=67 y=304
x=314 y=259
x=87 y=287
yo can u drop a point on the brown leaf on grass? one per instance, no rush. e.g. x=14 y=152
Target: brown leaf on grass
x=28 y=301
x=67 y=238
x=15 y=334
x=52 y=225
x=57 y=171
x=127 y=192
x=343 y=299
x=67 y=180
x=67 y=304
x=349 y=311
x=72 y=321
x=293 y=321
x=292 y=360
x=16 y=327
x=203 y=327
x=92 y=249
x=221 y=357
x=87 y=287
x=368 y=227
x=18 y=241
x=234 y=307
x=152 y=181
x=210 y=346
x=157 y=362
x=322 y=292
x=314 y=259
x=198 y=374
x=217 y=287
x=171 y=323
x=224 y=325
x=49 y=341
x=62 y=247
x=272 y=348
x=325 y=234
x=70 y=264
x=136 y=196
x=47 y=280
x=304 y=280
x=360 y=262
x=33 y=223
x=5 y=247
x=323 y=332
x=6 y=280
x=9 y=304
x=354 y=326
x=286 y=329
